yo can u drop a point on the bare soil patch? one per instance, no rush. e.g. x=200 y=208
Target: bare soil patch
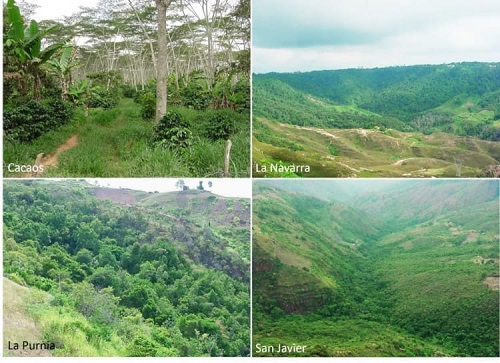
x=472 y=236
x=119 y=196
x=52 y=159
x=493 y=282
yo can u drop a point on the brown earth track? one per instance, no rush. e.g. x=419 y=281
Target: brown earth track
x=51 y=160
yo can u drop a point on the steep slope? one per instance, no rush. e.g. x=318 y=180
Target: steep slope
x=420 y=278
x=223 y=221
x=337 y=189
x=437 y=273
x=370 y=153
x=302 y=259
x=18 y=326
x=425 y=200
x=129 y=274
x=402 y=93
x=275 y=99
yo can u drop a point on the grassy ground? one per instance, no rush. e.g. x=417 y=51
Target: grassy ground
x=342 y=338
x=29 y=315
x=369 y=153
x=116 y=143
x=17 y=325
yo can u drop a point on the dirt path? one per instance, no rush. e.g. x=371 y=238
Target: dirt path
x=319 y=131
x=51 y=159
x=400 y=162
x=492 y=282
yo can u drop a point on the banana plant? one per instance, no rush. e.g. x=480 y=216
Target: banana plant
x=62 y=67
x=23 y=48
x=81 y=92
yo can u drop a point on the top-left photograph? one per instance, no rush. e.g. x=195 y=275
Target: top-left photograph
x=126 y=88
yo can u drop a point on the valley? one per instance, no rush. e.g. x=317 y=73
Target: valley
x=407 y=268
x=416 y=121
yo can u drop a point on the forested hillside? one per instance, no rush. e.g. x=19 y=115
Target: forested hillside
x=460 y=98
x=416 y=121
x=411 y=270
x=118 y=272
x=127 y=88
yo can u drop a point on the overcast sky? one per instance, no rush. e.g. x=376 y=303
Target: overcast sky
x=298 y=35
x=57 y=9
x=227 y=187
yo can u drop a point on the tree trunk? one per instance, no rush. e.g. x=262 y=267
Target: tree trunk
x=161 y=68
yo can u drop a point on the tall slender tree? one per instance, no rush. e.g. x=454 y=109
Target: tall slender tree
x=161 y=68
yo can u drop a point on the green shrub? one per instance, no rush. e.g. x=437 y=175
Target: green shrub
x=147 y=101
x=196 y=94
x=31 y=120
x=143 y=346
x=172 y=131
x=103 y=98
x=220 y=125
x=128 y=91
x=240 y=95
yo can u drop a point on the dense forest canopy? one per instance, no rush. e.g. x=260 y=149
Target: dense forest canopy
x=461 y=98
x=131 y=273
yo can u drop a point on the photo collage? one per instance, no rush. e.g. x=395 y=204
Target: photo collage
x=203 y=179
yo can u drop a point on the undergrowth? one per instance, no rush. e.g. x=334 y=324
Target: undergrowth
x=117 y=143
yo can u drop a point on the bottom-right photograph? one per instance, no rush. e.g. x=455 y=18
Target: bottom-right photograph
x=375 y=268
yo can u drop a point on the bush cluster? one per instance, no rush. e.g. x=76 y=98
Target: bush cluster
x=147 y=101
x=128 y=91
x=29 y=121
x=172 y=131
x=220 y=124
x=103 y=98
x=196 y=96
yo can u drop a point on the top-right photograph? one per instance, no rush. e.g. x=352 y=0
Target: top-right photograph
x=356 y=88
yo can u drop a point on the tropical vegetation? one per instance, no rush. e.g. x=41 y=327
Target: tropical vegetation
x=92 y=78
x=407 y=268
x=119 y=272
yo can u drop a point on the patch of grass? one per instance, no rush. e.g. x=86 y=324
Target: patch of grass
x=342 y=338
x=117 y=143
x=371 y=153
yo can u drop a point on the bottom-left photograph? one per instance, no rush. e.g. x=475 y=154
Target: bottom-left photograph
x=126 y=267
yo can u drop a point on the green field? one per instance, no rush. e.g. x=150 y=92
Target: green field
x=370 y=153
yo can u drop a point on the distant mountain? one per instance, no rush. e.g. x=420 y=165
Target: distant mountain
x=425 y=200
x=460 y=98
x=406 y=270
x=336 y=190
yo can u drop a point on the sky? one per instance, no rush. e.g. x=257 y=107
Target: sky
x=228 y=187
x=57 y=9
x=298 y=35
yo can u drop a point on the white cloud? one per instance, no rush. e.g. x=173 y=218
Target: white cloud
x=400 y=32
x=57 y=9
